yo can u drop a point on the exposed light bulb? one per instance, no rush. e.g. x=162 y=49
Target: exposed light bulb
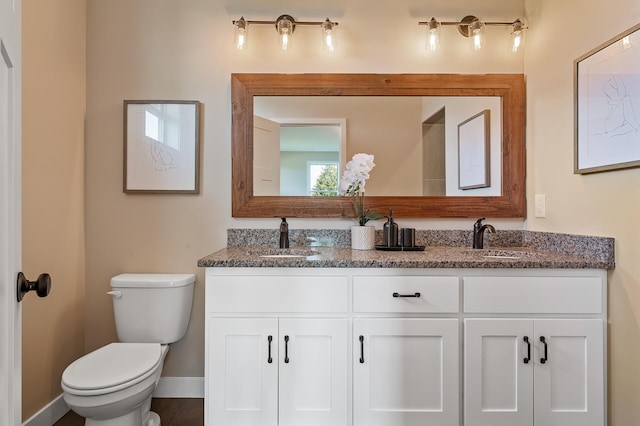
x=433 y=35
x=329 y=42
x=517 y=42
x=517 y=36
x=285 y=29
x=240 y=34
x=242 y=41
x=476 y=33
x=328 y=35
x=285 y=40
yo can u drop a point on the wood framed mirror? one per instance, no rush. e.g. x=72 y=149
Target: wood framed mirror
x=510 y=88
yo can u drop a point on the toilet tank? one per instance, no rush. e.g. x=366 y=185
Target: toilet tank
x=152 y=308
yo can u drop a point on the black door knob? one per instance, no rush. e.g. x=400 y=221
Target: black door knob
x=42 y=285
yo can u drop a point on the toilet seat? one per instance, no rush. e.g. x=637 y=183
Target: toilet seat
x=112 y=368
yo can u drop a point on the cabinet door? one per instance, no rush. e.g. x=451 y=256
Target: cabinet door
x=498 y=366
x=313 y=372
x=405 y=372
x=242 y=377
x=569 y=385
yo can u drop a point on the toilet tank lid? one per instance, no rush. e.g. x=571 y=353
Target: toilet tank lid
x=152 y=280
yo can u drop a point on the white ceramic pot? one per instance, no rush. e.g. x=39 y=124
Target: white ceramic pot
x=363 y=237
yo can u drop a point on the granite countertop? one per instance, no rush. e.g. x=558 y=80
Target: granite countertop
x=313 y=248
x=431 y=257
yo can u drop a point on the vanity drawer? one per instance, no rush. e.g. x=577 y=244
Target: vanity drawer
x=276 y=293
x=533 y=295
x=376 y=294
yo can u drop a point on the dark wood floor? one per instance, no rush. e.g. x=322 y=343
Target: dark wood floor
x=172 y=412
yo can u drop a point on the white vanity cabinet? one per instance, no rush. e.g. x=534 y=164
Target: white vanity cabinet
x=405 y=346
x=287 y=371
x=542 y=367
x=243 y=367
x=405 y=372
x=276 y=350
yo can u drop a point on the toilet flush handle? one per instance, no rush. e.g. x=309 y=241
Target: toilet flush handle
x=116 y=294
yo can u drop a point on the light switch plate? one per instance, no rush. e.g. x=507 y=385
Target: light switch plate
x=540 y=207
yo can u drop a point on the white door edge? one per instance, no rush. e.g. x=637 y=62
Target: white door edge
x=10 y=213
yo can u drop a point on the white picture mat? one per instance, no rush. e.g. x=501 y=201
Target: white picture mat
x=161 y=147
x=608 y=106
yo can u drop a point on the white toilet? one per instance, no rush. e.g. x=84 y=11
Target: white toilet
x=113 y=385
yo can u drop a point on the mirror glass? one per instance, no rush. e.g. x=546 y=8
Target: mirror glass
x=476 y=170
x=414 y=140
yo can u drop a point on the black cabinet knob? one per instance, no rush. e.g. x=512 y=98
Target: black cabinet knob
x=42 y=286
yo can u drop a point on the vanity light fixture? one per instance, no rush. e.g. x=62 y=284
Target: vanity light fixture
x=473 y=28
x=240 y=34
x=475 y=32
x=285 y=26
x=328 y=35
x=517 y=35
x=433 y=34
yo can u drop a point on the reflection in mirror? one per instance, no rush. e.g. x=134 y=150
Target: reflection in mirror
x=414 y=140
x=291 y=154
x=309 y=159
x=508 y=200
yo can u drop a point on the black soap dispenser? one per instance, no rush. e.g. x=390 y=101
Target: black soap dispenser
x=390 y=232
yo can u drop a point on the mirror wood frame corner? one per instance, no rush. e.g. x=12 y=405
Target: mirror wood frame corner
x=509 y=87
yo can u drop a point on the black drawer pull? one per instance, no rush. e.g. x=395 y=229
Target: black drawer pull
x=286 y=349
x=361 y=349
x=269 y=339
x=406 y=295
x=528 y=358
x=545 y=358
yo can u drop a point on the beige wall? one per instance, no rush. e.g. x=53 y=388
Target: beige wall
x=53 y=184
x=599 y=204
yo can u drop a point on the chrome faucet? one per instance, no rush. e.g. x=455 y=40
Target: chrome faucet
x=284 y=233
x=478 y=233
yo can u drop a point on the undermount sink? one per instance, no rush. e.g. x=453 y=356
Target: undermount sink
x=283 y=253
x=501 y=253
x=506 y=254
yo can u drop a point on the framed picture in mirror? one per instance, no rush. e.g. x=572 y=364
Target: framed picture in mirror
x=473 y=148
x=161 y=146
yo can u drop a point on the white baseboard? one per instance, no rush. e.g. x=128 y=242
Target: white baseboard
x=180 y=387
x=168 y=387
x=50 y=414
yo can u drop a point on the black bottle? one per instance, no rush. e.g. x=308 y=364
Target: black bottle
x=390 y=232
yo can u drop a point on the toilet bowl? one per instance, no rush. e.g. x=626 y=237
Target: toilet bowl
x=113 y=385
